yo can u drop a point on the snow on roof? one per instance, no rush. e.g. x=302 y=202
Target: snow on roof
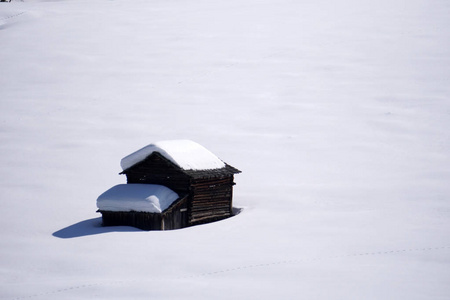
x=151 y=198
x=186 y=154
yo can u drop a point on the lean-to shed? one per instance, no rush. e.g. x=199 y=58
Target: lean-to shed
x=145 y=206
x=202 y=182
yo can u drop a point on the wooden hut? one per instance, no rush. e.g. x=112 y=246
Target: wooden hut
x=203 y=183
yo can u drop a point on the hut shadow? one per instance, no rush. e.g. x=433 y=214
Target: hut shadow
x=236 y=211
x=90 y=227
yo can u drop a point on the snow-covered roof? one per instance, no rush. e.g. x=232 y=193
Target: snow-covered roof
x=186 y=154
x=151 y=198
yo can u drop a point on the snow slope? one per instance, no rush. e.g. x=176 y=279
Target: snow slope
x=337 y=112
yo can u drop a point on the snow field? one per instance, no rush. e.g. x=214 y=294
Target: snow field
x=336 y=112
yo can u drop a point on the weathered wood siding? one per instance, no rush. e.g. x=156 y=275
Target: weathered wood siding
x=176 y=216
x=210 y=200
x=155 y=169
x=141 y=220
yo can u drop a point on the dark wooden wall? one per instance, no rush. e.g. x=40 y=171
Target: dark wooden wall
x=158 y=170
x=211 y=200
x=176 y=216
x=141 y=220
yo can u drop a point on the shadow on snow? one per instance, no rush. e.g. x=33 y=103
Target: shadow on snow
x=94 y=226
x=90 y=227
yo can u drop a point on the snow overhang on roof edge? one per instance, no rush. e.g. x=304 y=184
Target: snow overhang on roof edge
x=151 y=198
x=185 y=154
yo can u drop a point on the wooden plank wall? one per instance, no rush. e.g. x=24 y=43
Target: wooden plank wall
x=141 y=220
x=156 y=170
x=211 y=200
x=176 y=216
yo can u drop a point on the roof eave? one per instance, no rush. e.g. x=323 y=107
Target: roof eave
x=225 y=171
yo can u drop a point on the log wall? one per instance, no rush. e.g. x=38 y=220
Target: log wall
x=158 y=170
x=176 y=216
x=141 y=220
x=210 y=200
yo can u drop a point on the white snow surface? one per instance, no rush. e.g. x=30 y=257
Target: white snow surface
x=186 y=154
x=152 y=198
x=337 y=112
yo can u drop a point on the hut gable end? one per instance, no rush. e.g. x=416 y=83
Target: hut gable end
x=156 y=169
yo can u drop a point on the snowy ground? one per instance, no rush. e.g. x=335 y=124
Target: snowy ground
x=337 y=112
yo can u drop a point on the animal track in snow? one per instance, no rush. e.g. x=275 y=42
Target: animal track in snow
x=235 y=269
x=9 y=19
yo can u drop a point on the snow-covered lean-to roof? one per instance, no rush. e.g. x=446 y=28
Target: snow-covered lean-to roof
x=150 y=198
x=186 y=154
